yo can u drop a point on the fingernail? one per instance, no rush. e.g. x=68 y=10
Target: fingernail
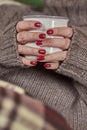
x=33 y=63
x=42 y=51
x=37 y=24
x=40 y=58
x=49 y=32
x=42 y=36
x=47 y=65
x=39 y=42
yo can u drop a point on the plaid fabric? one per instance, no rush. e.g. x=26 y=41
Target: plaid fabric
x=20 y=112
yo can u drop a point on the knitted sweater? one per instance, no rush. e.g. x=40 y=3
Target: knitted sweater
x=64 y=90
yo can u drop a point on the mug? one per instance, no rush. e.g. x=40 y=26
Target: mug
x=47 y=22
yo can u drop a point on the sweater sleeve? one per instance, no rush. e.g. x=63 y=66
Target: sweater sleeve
x=9 y=56
x=8 y=47
x=75 y=65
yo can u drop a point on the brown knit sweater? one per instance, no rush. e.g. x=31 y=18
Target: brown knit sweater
x=65 y=90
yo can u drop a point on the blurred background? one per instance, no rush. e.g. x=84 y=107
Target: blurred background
x=37 y=3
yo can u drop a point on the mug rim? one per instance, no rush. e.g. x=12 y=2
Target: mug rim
x=45 y=16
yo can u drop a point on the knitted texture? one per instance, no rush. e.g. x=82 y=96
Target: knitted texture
x=65 y=90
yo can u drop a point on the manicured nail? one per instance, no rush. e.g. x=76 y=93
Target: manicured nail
x=38 y=24
x=47 y=65
x=50 y=32
x=40 y=58
x=39 y=42
x=42 y=36
x=42 y=51
x=33 y=63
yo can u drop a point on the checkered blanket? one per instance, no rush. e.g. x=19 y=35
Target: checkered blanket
x=20 y=112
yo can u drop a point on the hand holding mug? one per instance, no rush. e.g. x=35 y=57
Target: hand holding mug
x=53 y=60
x=27 y=34
x=24 y=36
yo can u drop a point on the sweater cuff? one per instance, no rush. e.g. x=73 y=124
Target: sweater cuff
x=8 y=47
x=75 y=65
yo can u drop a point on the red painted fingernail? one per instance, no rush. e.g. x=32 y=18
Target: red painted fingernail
x=40 y=58
x=39 y=42
x=47 y=65
x=42 y=51
x=33 y=62
x=49 y=32
x=42 y=36
x=37 y=24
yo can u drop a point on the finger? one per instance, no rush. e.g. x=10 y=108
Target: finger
x=52 y=66
x=25 y=36
x=27 y=25
x=28 y=62
x=26 y=50
x=62 y=43
x=58 y=56
x=61 y=31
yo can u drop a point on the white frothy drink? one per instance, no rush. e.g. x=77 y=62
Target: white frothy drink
x=47 y=23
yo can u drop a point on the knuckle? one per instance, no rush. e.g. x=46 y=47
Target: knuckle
x=56 y=66
x=48 y=42
x=32 y=36
x=35 y=36
x=21 y=37
x=66 y=43
x=33 y=51
x=25 y=62
x=20 y=48
x=18 y=37
x=19 y=25
x=64 y=54
x=69 y=32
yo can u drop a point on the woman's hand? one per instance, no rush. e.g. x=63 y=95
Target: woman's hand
x=24 y=36
x=53 y=60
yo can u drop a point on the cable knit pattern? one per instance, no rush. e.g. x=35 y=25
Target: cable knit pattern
x=75 y=64
x=65 y=90
x=9 y=58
